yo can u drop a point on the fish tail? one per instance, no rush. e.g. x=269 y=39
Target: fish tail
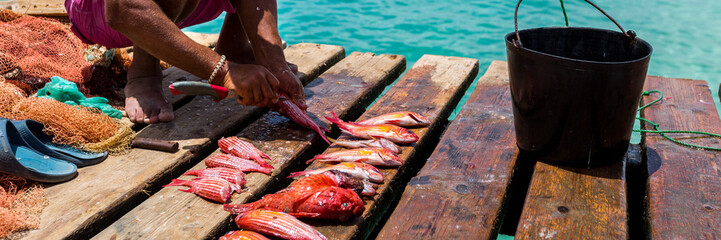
x=325 y=138
x=195 y=172
x=238 y=208
x=319 y=156
x=178 y=182
x=300 y=173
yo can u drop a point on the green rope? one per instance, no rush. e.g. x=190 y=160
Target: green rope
x=663 y=132
x=564 y=13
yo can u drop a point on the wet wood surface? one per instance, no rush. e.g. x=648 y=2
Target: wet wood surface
x=460 y=191
x=431 y=88
x=105 y=191
x=568 y=202
x=347 y=88
x=684 y=183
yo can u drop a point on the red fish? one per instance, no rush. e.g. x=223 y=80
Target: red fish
x=321 y=196
x=230 y=161
x=355 y=169
x=372 y=156
x=299 y=116
x=393 y=133
x=211 y=188
x=277 y=224
x=243 y=149
x=233 y=176
x=403 y=119
x=379 y=143
x=243 y=235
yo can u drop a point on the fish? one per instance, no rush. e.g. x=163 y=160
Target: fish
x=233 y=176
x=243 y=235
x=277 y=224
x=393 y=133
x=314 y=202
x=230 y=161
x=211 y=188
x=292 y=111
x=355 y=169
x=243 y=149
x=338 y=179
x=379 y=142
x=403 y=119
x=372 y=156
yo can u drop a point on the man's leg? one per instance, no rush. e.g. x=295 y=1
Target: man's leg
x=234 y=44
x=144 y=100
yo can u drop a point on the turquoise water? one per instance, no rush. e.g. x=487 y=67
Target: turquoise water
x=685 y=34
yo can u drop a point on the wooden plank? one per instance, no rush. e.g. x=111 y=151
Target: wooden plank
x=47 y=8
x=567 y=202
x=431 y=88
x=102 y=192
x=684 y=183
x=349 y=86
x=460 y=191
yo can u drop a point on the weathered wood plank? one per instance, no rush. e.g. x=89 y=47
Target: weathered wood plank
x=684 y=183
x=346 y=88
x=431 y=88
x=567 y=202
x=47 y=8
x=459 y=192
x=104 y=191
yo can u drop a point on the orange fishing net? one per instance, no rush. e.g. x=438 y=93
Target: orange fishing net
x=21 y=203
x=82 y=127
x=34 y=49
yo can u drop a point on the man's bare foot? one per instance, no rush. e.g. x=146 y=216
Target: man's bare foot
x=144 y=101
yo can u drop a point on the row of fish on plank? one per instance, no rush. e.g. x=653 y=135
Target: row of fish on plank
x=331 y=193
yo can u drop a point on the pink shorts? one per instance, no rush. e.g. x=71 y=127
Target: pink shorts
x=88 y=20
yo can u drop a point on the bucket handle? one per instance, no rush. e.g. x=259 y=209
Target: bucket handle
x=631 y=34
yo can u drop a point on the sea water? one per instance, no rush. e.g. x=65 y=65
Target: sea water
x=685 y=35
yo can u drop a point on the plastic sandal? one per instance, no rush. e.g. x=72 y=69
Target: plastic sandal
x=32 y=133
x=17 y=158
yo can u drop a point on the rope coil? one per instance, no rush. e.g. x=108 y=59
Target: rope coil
x=663 y=132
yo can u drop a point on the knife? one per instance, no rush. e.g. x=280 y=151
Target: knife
x=200 y=88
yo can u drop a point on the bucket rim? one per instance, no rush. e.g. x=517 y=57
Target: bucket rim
x=512 y=35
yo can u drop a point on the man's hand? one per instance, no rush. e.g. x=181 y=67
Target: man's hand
x=290 y=84
x=254 y=84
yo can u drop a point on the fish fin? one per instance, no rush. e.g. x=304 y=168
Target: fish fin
x=195 y=172
x=331 y=139
x=305 y=215
x=190 y=190
x=238 y=208
x=295 y=174
x=177 y=182
x=325 y=138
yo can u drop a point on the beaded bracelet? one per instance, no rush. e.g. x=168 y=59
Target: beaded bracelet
x=217 y=68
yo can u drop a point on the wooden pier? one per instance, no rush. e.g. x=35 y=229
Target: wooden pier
x=462 y=180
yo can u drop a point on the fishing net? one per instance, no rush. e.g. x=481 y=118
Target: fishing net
x=34 y=49
x=21 y=203
x=82 y=127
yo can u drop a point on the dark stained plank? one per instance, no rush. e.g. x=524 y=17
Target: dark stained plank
x=567 y=202
x=104 y=191
x=431 y=88
x=684 y=184
x=460 y=191
x=347 y=88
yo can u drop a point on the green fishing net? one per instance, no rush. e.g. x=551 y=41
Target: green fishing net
x=67 y=92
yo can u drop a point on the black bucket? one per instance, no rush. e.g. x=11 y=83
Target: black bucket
x=575 y=91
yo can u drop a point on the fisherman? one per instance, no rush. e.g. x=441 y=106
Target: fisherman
x=248 y=58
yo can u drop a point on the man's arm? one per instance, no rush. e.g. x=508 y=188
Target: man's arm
x=260 y=20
